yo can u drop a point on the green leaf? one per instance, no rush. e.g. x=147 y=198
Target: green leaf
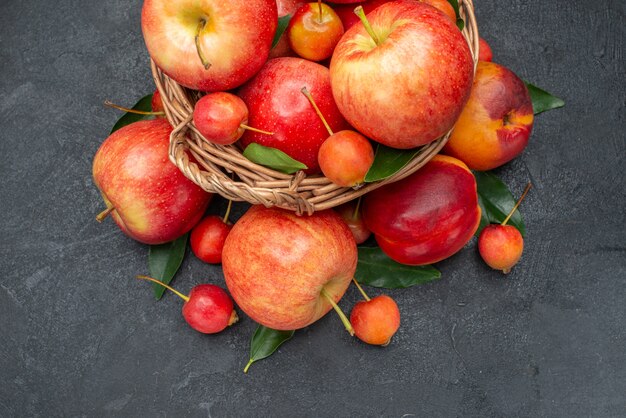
x=283 y=22
x=164 y=261
x=460 y=23
x=272 y=158
x=388 y=161
x=264 y=342
x=496 y=201
x=376 y=269
x=542 y=100
x=144 y=104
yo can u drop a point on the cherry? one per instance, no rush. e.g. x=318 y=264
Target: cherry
x=208 y=308
x=351 y=214
x=345 y=156
x=375 y=320
x=314 y=31
x=222 y=118
x=501 y=246
x=208 y=237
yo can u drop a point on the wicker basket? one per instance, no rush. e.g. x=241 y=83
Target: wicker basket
x=215 y=165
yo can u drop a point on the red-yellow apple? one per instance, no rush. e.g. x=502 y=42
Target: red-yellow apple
x=276 y=104
x=376 y=320
x=404 y=81
x=345 y=158
x=426 y=217
x=500 y=246
x=209 y=45
x=496 y=123
x=278 y=265
x=285 y=7
x=149 y=198
x=314 y=31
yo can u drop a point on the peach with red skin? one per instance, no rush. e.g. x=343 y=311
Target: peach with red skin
x=410 y=89
x=353 y=218
x=497 y=121
x=276 y=104
x=313 y=35
x=154 y=202
x=375 y=321
x=208 y=237
x=500 y=246
x=427 y=216
x=235 y=40
x=345 y=158
x=218 y=117
x=277 y=264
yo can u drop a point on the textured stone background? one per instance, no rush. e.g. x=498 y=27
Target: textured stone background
x=79 y=336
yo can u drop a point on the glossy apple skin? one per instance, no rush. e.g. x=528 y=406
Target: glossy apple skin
x=277 y=263
x=285 y=7
x=208 y=237
x=236 y=39
x=218 y=117
x=155 y=203
x=209 y=309
x=375 y=321
x=426 y=217
x=345 y=157
x=312 y=35
x=276 y=104
x=500 y=246
x=410 y=89
x=497 y=121
x=484 y=51
x=354 y=222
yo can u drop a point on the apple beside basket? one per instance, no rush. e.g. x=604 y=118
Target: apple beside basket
x=215 y=165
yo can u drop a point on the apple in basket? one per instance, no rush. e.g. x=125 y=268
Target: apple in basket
x=209 y=45
x=284 y=270
x=403 y=76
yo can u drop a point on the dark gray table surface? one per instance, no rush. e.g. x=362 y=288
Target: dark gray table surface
x=81 y=337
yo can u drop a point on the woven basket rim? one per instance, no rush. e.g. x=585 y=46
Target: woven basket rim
x=224 y=170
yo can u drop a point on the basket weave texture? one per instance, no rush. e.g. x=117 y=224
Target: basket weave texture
x=224 y=170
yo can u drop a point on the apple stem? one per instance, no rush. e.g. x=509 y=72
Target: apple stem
x=355 y=214
x=317 y=109
x=137 y=112
x=528 y=186
x=250 y=128
x=203 y=59
x=342 y=316
x=228 y=208
x=367 y=298
x=103 y=215
x=183 y=297
x=361 y=14
x=319 y=4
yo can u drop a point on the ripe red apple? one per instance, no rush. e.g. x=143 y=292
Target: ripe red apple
x=426 y=217
x=500 y=246
x=209 y=45
x=276 y=104
x=149 y=198
x=207 y=239
x=496 y=123
x=345 y=158
x=403 y=81
x=314 y=31
x=375 y=320
x=280 y=268
x=484 y=51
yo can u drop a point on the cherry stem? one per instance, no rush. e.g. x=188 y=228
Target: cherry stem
x=103 y=215
x=342 y=316
x=205 y=63
x=250 y=128
x=361 y=14
x=137 y=112
x=317 y=109
x=367 y=298
x=183 y=297
x=228 y=208
x=528 y=186
x=319 y=4
x=355 y=214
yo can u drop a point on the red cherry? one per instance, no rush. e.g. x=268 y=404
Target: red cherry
x=208 y=308
x=207 y=239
